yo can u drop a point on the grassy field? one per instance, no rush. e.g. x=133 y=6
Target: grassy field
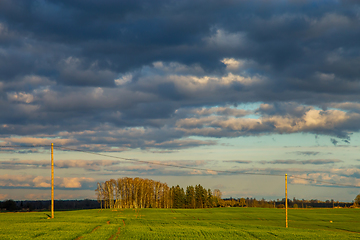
x=218 y=223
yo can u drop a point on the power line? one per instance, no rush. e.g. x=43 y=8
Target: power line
x=204 y=169
x=184 y=167
x=167 y=164
x=28 y=146
x=327 y=182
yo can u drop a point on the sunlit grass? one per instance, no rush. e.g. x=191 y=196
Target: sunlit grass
x=217 y=223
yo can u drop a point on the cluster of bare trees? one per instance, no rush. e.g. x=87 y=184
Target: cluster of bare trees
x=133 y=193
x=146 y=193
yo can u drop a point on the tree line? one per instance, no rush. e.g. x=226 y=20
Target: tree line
x=292 y=203
x=44 y=205
x=146 y=193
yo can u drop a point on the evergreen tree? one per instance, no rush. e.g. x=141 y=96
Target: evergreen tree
x=190 y=197
x=178 y=197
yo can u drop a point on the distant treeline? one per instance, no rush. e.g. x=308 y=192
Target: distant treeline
x=146 y=193
x=29 y=205
x=294 y=203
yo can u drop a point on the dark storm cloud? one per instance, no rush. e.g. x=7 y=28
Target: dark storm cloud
x=134 y=74
x=280 y=108
x=121 y=36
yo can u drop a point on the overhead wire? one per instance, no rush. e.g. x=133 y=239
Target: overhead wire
x=25 y=146
x=326 y=182
x=204 y=169
x=185 y=167
x=166 y=164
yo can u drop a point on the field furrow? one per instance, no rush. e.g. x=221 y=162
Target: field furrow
x=219 y=223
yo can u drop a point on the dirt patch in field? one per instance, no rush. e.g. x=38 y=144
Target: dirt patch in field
x=116 y=235
x=95 y=228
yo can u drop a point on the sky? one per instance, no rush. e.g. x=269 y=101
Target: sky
x=267 y=87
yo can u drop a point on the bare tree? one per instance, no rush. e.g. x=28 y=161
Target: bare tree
x=146 y=193
x=357 y=200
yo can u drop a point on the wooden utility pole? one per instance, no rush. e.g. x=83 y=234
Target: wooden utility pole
x=52 y=180
x=286 y=202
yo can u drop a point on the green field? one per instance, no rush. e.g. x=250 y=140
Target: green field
x=216 y=223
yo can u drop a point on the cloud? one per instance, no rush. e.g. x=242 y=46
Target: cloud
x=165 y=168
x=333 y=141
x=164 y=151
x=238 y=161
x=16 y=181
x=217 y=111
x=327 y=122
x=17 y=149
x=307 y=153
x=145 y=76
x=93 y=165
x=4 y=196
x=339 y=176
x=90 y=165
x=303 y=162
x=101 y=166
x=324 y=179
x=21 y=97
x=156 y=171
x=38 y=196
x=219 y=186
x=283 y=109
x=221 y=38
x=175 y=131
x=41 y=182
x=33 y=141
x=58 y=196
x=179 y=144
x=350 y=106
x=74 y=182
x=28 y=151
